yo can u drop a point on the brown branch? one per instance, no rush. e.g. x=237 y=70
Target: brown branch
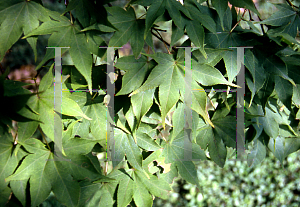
x=161 y=39
x=238 y=21
x=164 y=42
x=141 y=16
x=290 y=3
x=162 y=30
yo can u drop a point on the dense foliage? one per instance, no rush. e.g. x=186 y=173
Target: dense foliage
x=149 y=104
x=238 y=185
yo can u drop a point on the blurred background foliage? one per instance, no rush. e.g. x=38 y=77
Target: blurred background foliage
x=236 y=184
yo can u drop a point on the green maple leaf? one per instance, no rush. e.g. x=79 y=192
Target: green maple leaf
x=168 y=76
x=224 y=39
x=16 y=18
x=129 y=28
x=257 y=72
x=43 y=104
x=174 y=8
x=9 y=162
x=282 y=147
x=245 y=3
x=66 y=34
x=174 y=153
x=286 y=18
x=87 y=14
x=96 y=110
x=216 y=139
x=45 y=174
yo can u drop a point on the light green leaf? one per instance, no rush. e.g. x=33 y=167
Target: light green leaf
x=136 y=71
x=34 y=167
x=270 y=124
x=16 y=18
x=126 y=190
x=296 y=94
x=199 y=101
x=178 y=119
x=141 y=196
x=281 y=17
x=174 y=153
x=146 y=142
x=155 y=186
x=47 y=80
x=71 y=108
x=141 y=103
x=207 y=75
x=133 y=153
x=257 y=154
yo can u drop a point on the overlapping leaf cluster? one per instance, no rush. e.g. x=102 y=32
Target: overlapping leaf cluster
x=151 y=140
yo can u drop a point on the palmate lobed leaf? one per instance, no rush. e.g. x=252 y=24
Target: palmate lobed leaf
x=45 y=174
x=283 y=16
x=171 y=70
x=66 y=34
x=174 y=153
x=44 y=105
x=158 y=8
x=129 y=28
x=138 y=186
x=16 y=18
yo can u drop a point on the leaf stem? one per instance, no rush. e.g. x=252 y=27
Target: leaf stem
x=238 y=21
x=161 y=39
x=71 y=18
x=207 y=2
x=141 y=16
x=290 y=3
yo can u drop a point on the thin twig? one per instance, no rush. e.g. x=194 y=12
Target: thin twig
x=207 y=2
x=161 y=39
x=250 y=15
x=141 y=16
x=164 y=42
x=290 y=3
x=238 y=21
x=162 y=30
x=162 y=135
